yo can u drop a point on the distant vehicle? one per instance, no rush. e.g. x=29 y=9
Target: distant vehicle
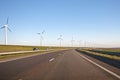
x=34 y=49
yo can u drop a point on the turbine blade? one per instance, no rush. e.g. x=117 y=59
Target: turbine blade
x=43 y=32
x=7 y=20
x=38 y=33
x=2 y=27
x=58 y=38
x=60 y=35
x=9 y=29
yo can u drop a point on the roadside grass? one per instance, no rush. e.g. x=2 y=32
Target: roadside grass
x=108 y=49
x=13 y=48
x=113 y=53
x=17 y=55
x=114 y=57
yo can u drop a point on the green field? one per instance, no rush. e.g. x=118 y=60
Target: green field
x=12 y=48
x=108 y=49
x=111 y=53
x=9 y=56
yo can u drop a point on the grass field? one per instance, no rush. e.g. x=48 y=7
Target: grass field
x=13 y=48
x=108 y=49
x=103 y=52
x=9 y=56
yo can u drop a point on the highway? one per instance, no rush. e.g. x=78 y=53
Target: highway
x=59 y=65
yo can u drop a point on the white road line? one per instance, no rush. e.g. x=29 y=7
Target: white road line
x=19 y=52
x=110 y=72
x=51 y=59
x=17 y=58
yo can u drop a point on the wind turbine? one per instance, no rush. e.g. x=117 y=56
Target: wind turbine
x=85 y=43
x=60 y=38
x=72 y=41
x=41 y=37
x=6 y=28
x=79 y=43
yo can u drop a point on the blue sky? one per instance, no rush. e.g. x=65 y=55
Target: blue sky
x=94 y=22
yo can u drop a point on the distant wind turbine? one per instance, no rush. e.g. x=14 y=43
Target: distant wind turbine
x=6 y=28
x=41 y=37
x=60 y=39
x=72 y=42
x=79 y=43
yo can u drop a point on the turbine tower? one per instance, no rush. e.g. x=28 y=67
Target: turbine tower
x=60 y=38
x=6 y=28
x=79 y=43
x=72 y=42
x=41 y=37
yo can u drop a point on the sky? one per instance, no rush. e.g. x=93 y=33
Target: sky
x=92 y=23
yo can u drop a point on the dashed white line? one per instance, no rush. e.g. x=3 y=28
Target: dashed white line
x=110 y=72
x=51 y=59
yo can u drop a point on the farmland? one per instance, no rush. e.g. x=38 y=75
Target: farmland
x=13 y=48
x=109 y=56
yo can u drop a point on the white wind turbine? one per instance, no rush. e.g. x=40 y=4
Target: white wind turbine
x=60 y=38
x=72 y=42
x=79 y=43
x=6 y=28
x=41 y=37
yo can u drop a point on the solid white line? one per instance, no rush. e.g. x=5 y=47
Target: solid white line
x=110 y=72
x=2 y=61
x=19 y=52
x=51 y=59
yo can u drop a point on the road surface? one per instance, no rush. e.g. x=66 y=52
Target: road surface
x=59 y=65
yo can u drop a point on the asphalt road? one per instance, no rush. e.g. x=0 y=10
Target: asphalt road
x=60 y=65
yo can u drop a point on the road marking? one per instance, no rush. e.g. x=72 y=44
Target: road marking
x=51 y=59
x=17 y=58
x=110 y=72
x=19 y=52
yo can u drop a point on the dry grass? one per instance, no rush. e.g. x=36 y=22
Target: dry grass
x=12 y=48
x=9 y=56
x=108 y=49
x=102 y=55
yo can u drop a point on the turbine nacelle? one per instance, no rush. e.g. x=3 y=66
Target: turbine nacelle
x=41 y=36
x=5 y=26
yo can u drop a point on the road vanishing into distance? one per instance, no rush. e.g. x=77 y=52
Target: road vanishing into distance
x=58 y=65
